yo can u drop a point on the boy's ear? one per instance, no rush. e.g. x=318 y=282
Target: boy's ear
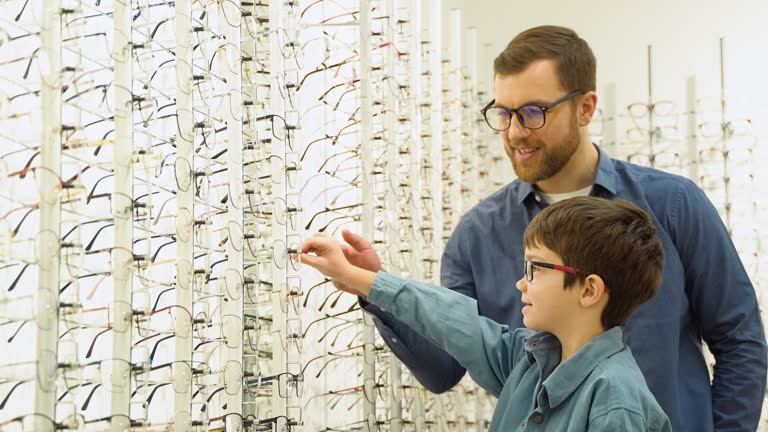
x=592 y=291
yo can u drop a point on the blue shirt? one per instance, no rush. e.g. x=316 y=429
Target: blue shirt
x=599 y=388
x=705 y=294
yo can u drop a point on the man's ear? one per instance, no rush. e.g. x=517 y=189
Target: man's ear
x=593 y=290
x=587 y=108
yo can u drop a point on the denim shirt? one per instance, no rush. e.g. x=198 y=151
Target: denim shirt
x=599 y=388
x=705 y=295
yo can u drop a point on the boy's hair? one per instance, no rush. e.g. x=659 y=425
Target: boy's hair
x=613 y=239
x=576 y=64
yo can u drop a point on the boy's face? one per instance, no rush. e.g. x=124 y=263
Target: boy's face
x=547 y=305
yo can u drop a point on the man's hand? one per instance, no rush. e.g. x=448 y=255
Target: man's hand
x=359 y=253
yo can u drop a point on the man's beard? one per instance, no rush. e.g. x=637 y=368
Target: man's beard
x=549 y=161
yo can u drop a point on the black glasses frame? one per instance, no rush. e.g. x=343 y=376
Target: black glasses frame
x=510 y=111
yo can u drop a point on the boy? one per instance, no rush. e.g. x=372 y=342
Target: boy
x=589 y=263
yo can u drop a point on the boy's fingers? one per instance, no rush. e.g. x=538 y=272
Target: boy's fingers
x=310 y=244
x=310 y=260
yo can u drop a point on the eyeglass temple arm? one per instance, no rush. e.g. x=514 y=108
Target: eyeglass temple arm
x=490 y=104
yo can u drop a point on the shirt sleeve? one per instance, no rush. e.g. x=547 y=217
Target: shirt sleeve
x=724 y=303
x=434 y=368
x=451 y=321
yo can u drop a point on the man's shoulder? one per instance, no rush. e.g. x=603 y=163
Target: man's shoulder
x=651 y=180
x=500 y=203
x=491 y=228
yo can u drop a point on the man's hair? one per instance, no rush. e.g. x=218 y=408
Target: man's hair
x=576 y=65
x=613 y=239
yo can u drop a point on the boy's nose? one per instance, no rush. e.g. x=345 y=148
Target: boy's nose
x=521 y=284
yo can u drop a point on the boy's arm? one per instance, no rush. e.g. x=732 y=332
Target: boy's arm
x=432 y=367
x=449 y=319
x=487 y=349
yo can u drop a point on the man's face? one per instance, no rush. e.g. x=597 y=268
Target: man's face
x=538 y=154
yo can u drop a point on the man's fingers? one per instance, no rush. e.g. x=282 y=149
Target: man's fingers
x=356 y=241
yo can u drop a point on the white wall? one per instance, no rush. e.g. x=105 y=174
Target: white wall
x=684 y=35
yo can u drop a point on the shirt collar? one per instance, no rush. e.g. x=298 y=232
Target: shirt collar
x=605 y=178
x=606 y=172
x=544 y=350
x=568 y=376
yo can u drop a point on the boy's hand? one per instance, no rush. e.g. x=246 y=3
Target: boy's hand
x=329 y=259
x=359 y=253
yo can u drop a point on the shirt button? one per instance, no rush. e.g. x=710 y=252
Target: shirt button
x=394 y=340
x=538 y=418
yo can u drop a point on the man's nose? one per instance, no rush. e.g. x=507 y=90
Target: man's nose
x=516 y=129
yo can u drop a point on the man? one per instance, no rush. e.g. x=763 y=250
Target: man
x=544 y=101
